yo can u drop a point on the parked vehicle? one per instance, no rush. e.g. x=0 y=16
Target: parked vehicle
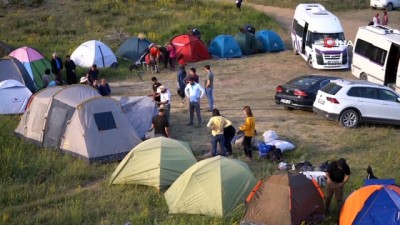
x=318 y=37
x=376 y=55
x=300 y=92
x=355 y=102
x=389 y=5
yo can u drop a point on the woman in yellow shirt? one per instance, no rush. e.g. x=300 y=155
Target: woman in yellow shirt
x=248 y=127
x=217 y=124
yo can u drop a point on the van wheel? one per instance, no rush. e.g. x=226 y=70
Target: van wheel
x=294 y=49
x=349 y=118
x=310 y=62
x=363 y=76
x=389 y=7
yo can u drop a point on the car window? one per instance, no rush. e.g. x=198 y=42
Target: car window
x=354 y=92
x=324 y=82
x=387 y=95
x=331 y=88
x=368 y=92
x=303 y=81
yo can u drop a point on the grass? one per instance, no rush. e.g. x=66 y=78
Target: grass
x=331 y=5
x=42 y=186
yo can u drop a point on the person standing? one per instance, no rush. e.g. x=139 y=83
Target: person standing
x=194 y=92
x=56 y=67
x=229 y=133
x=385 y=18
x=249 y=128
x=165 y=100
x=92 y=74
x=217 y=124
x=337 y=174
x=154 y=86
x=193 y=75
x=376 y=19
x=209 y=87
x=181 y=82
x=239 y=4
x=70 y=68
x=160 y=125
x=172 y=55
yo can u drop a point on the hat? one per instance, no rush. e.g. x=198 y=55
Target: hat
x=161 y=88
x=83 y=80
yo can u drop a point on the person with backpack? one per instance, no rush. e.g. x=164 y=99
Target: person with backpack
x=217 y=124
x=249 y=128
x=337 y=174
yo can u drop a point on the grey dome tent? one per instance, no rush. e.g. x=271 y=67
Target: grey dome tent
x=133 y=48
x=12 y=69
x=76 y=120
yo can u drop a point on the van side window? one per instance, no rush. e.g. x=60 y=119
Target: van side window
x=363 y=48
x=378 y=55
x=371 y=52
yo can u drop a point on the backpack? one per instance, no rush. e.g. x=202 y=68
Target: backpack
x=275 y=155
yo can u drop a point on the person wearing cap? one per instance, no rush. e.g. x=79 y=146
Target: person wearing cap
x=194 y=92
x=160 y=124
x=337 y=174
x=83 y=80
x=92 y=74
x=165 y=100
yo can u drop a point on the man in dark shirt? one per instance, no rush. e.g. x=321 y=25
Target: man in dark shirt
x=337 y=174
x=56 y=67
x=160 y=125
x=155 y=86
x=70 y=68
x=104 y=88
x=92 y=74
x=193 y=75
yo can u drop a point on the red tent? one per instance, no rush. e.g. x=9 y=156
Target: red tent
x=192 y=48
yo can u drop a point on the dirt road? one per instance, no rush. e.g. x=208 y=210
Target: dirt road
x=252 y=81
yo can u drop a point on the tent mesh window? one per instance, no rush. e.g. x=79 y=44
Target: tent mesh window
x=105 y=121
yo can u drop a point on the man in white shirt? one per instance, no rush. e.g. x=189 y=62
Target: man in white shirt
x=165 y=100
x=194 y=92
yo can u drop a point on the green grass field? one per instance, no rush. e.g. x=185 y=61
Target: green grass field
x=42 y=186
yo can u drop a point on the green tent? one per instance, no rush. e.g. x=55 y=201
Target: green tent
x=155 y=162
x=214 y=187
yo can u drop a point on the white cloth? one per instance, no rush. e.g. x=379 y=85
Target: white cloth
x=194 y=92
x=166 y=97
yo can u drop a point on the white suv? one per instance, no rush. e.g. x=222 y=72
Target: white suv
x=354 y=102
x=385 y=4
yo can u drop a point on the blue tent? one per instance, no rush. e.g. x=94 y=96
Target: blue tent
x=225 y=46
x=270 y=40
x=133 y=48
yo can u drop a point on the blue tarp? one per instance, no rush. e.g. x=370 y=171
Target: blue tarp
x=270 y=40
x=225 y=46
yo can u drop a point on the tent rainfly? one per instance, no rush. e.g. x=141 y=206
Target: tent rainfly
x=12 y=69
x=14 y=97
x=94 y=52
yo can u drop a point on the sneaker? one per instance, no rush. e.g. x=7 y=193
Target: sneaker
x=189 y=124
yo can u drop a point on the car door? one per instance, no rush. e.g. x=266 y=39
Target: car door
x=390 y=107
x=368 y=102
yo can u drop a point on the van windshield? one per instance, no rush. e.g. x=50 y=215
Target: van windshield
x=318 y=38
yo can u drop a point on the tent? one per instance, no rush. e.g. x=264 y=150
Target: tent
x=133 y=48
x=77 y=120
x=214 y=186
x=14 y=97
x=372 y=204
x=248 y=43
x=34 y=62
x=94 y=52
x=192 y=48
x=12 y=69
x=140 y=111
x=285 y=199
x=225 y=46
x=270 y=41
x=155 y=162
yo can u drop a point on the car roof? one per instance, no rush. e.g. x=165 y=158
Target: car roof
x=316 y=76
x=366 y=83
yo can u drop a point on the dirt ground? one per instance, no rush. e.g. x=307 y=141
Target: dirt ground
x=252 y=81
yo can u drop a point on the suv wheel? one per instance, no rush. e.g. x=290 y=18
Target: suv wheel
x=349 y=118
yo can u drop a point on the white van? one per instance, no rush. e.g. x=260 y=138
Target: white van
x=318 y=37
x=385 y=4
x=376 y=55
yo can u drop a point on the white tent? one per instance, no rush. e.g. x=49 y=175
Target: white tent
x=14 y=97
x=94 y=52
x=78 y=121
x=139 y=110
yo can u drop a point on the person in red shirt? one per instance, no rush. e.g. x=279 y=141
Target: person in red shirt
x=155 y=55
